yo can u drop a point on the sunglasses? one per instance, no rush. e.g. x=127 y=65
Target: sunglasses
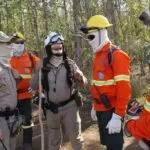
x=90 y=37
x=85 y=30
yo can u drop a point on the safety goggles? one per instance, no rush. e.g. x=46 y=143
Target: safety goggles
x=56 y=38
x=86 y=30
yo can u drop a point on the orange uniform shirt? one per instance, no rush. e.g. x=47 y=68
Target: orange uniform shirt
x=112 y=80
x=140 y=128
x=24 y=66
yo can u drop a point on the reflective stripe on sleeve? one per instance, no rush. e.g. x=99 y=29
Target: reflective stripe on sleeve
x=147 y=105
x=102 y=83
x=122 y=78
x=26 y=76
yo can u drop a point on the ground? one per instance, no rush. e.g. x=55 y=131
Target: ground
x=89 y=131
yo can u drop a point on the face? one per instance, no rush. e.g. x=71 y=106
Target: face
x=57 y=48
x=94 y=40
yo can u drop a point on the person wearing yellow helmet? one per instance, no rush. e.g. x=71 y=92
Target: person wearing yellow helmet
x=24 y=62
x=110 y=85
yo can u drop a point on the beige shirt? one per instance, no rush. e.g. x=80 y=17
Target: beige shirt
x=59 y=90
x=8 y=92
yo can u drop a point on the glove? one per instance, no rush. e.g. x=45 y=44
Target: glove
x=30 y=90
x=93 y=114
x=143 y=145
x=1 y=135
x=114 y=125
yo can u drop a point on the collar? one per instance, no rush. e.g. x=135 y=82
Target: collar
x=105 y=48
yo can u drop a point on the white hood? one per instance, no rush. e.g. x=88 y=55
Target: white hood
x=101 y=38
x=5 y=51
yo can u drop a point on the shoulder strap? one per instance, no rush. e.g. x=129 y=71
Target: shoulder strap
x=110 y=54
x=69 y=74
x=45 y=71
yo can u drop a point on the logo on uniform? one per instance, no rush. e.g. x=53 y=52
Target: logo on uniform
x=101 y=75
x=26 y=70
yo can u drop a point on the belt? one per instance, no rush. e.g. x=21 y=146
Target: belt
x=61 y=104
x=8 y=113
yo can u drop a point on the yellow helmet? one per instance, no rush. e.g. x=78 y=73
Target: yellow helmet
x=98 y=21
x=18 y=38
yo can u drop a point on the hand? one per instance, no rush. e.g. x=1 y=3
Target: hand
x=78 y=75
x=82 y=79
x=1 y=135
x=30 y=90
x=93 y=114
x=114 y=125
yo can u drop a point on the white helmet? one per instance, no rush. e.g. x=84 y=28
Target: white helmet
x=5 y=49
x=4 y=38
x=52 y=38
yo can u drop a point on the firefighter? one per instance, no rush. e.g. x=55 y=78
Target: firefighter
x=24 y=63
x=8 y=96
x=140 y=127
x=110 y=85
x=62 y=112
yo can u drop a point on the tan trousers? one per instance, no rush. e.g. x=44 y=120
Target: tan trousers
x=67 y=120
x=9 y=142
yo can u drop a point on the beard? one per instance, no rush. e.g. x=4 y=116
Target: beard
x=57 y=52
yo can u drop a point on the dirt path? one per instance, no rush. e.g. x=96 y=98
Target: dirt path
x=89 y=131
x=91 y=141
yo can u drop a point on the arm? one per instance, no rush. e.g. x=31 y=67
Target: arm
x=121 y=69
x=78 y=75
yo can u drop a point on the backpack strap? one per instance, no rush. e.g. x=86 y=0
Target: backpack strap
x=110 y=54
x=45 y=71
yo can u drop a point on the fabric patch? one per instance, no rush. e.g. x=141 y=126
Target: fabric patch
x=26 y=70
x=101 y=75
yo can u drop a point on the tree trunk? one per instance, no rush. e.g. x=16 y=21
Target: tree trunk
x=77 y=38
x=109 y=11
x=45 y=17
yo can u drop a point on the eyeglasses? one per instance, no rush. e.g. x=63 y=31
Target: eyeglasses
x=56 y=38
x=85 y=30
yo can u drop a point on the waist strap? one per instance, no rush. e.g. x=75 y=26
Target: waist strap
x=8 y=113
x=61 y=104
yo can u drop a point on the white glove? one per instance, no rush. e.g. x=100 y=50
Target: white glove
x=143 y=145
x=93 y=114
x=30 y=90
x=114 y=125
x=1 y=135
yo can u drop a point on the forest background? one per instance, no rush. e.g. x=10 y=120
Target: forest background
x=36 y=18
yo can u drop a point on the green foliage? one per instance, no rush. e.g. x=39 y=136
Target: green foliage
x=32 y=16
